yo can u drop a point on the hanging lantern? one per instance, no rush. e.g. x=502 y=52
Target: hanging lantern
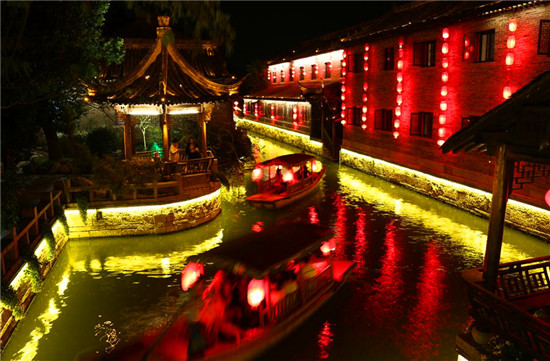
x=364 y=108
x=442 y=119
x=396 y=124
x=399 y=99
x=364 y=126
x=366 y=67
x=466 y=55
x=445 y=76
x=191 y=274
x=288 y=176
x=343 y=121
x=399 y=87
x=400 y=77
x=395 y=134
x=367 y=47
x=398 y=111
x=325 y=248
x=511 y=42
x=342 y=114
x=440 y=142
x=445 y=48
x=257 y=174
x=343 y=88
x=365 y=86
x=445 y=63
x=507 y=92
x=444 y=91
x=256 y=292
x=400 y=52
x=443 y=105
x=400 y=64
x=513 y=25
x=547 y=198
x=441 y=132
x=509 y=59
x=364 y=98
x=316 y=166
x=445 y=33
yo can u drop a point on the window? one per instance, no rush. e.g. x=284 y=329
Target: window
x=354 y=65
x=291 y=74
x=383 y=119
x=302 y=73
x=485 y=46
x=424 y=53
x=282 y=76
x=314 y=71
x=328 y=68
x=354 y=116
x=470 y=120
x=421 y=124
x=274 y=77
x=388 y=59
x=544 y=37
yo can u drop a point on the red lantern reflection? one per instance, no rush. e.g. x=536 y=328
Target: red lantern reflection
x=256 y=292
x=191 y=274
x=257 y=174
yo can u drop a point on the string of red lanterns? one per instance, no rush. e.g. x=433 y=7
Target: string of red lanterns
x=509 y=60
x=443 y=105
x=365 y=87
x=344 y=72
x=399 y=89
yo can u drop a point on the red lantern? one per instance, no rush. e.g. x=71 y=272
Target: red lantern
x=445 y=48
x=256 y=292
x=511 y=42
x=397 y=111
x=445 y=63
x=396 y=124
x=325 y=248
x=442 y=119
x=365 y=86
x=257 y=174
x=191 y=274
x=443 y=105
x=441 y=132
x=444 y=91
x=343 y=122
x=509 y=59
x=445 y=76
x=507 y=92
x=395 y=134
x=513 y=25
x=399 y=87
x=400 y=64
x=364 y=126
x=400 y=77
x=288 y=176
x=367 y=47
x=445 y=33
x=440 y=142
x=364 y=109
x=399 y=99
x=547 y=198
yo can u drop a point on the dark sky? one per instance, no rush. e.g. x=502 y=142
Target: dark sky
x=264 y=29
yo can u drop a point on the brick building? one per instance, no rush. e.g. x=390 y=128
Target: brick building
x=396 y=87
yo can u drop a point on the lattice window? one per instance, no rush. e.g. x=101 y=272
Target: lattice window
x=525 y=173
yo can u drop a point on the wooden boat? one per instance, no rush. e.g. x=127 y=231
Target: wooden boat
x=254 y=260
x=285 y=179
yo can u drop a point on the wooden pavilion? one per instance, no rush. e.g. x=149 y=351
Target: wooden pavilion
x=512 y=299
x=165 y=77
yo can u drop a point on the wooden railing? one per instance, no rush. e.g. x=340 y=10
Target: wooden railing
x=314 y=285
x=30 y=235
x=523 y=287
x=285 y=306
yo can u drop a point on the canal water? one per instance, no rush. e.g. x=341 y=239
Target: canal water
x=404 y=301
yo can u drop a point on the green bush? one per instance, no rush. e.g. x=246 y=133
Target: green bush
x=119 y=175
x=60 y=214
x=82 y=157
x=33 y=272
x=10 y=301
x=82 y=204
x=48 y=235
x=103 y=141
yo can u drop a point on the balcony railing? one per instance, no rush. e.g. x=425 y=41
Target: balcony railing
x=523 y=289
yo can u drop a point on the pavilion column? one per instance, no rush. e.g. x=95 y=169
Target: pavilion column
x=503 y=174
x=202 y=126
x=128 y=135
x=165 y=132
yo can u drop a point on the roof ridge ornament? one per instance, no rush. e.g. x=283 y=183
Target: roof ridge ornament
x=164 y=25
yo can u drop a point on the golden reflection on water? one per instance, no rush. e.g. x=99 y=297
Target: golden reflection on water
x=472 y=240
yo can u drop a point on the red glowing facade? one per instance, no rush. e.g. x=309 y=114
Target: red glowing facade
x=406 y=84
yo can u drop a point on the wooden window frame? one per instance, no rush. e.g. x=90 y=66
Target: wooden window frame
x=353 y=116
x=425 y=120
x=328 y=73
x=383 y=120
x=424 y=53
x=489 y=51
x=302 y=73
x=544 y=31
x=389 y=58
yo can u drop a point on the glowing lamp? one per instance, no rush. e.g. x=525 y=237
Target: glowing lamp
x=344 y=54
x=256 y=292
x=342 y=114
x=344 y=72
x=547 y=198
x=364 y=118
x=272 y=117
x=509 y=59
x=397 y=111
x=400 y=64
x=399 y=88
x=511 y=42
x=257 y=174
x=288 y=176
x=366 y=57
x=507 y=92
x=364 y=98
x=364 y=126
x=343 y=97
x=364 y=108
x=365 y=86
x=366 y=67
x=400 y=77
x=344 y=64
x=399 y=99
x=343 y=107
x=343 y=88
x=191 y=274
x=445 y=33
x=444 y=91
x=316 y=166
x=443 y=105
x=445 y=48
x=400 y=52
x=343 y=121
x=466 y=42
x=466 y=55
x=441 y=132
x=445 y=76
x=513 y=25
x=367 y=47
x=294 y=116
x=440 y=142
x=395 y=134
x=445 y=63
x=442 y=119
x=86 y=99
x=396 y=124
x=325 y=248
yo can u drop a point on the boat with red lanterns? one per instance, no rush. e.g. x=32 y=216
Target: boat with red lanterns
x=247 y=295
x=285 y=179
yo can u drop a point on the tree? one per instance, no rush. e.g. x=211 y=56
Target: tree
x=48 y=50
x=144 y=123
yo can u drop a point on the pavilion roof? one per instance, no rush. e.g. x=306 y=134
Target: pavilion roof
x=183 y=71
x=522 y=122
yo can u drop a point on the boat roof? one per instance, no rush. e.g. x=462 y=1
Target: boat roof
x=288 y=160
x=257 y=254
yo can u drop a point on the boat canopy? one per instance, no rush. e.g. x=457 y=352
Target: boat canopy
x=288 y=160
x=257 y=254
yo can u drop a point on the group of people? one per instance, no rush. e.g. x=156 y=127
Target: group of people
x=191 y=150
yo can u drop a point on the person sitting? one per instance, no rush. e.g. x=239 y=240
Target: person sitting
x=192 y=150
x=174 y=154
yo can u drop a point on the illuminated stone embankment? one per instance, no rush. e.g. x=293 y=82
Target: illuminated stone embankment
x=146 y=219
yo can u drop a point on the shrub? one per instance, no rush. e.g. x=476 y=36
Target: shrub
x=33 y=272
x=82 y=204
x=81 y=155
x=103 y=141
x=10 y=301
x=47 y=233
x=60 y=214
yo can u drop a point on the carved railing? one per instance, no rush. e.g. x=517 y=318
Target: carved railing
x=30 y=235
x=314 y=285
x=285 y=306
x=523 y=288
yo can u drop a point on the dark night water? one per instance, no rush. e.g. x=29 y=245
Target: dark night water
x=404 y=301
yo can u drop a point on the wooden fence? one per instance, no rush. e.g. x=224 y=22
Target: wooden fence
x=29 y=236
